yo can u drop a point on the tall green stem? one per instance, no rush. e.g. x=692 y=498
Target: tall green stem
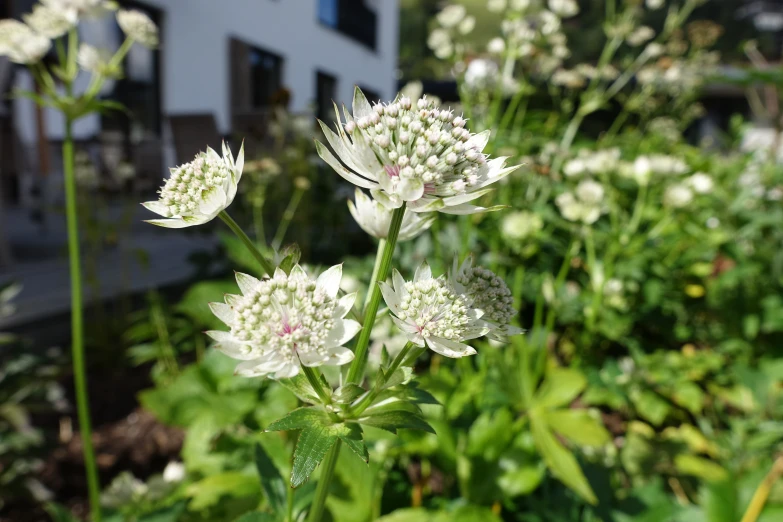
x=77 y=326
x=288 y=216
x=375 y=268
x=368 y=399
x=324 y=481
x=236 y=229
x=360 y=359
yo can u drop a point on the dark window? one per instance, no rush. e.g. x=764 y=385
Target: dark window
x=256 y=76
x=350 y=17
x=325 y=93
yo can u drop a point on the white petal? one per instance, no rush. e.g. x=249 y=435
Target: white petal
x=399 y=283
x=479 y=141
x=475 y=332
x=212 y=202
x=329 y=158
x=464 y=198
x=329 y=281
x=247 y=283
x=391 y=298
x=223 y=312
x=156 y=207
x=298 y=272
x=220 y=336
x=279 y=273
x=258 y=367
x=449 y=348
x=287 y=371
x=426 y=204
x=361 y=107
x=404 y=326
x=410 y=189
x=344 y=305
x=465 y=209
x=343 y=331
x=423 y=273
x=390 y=201
x=339 y=356
x=171 y=223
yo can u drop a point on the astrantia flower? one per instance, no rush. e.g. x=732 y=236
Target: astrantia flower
x=281 y=323
x=496 y=6
x=375 y=219
x=451 y=15
x=641 y=35
x=564 y=8
x=520 y=225
x=21 y=44
x=94 y=60
x=51 y=23
x=414 y=153
x=677 y=196
x=198 y=191
x=488 y=293
x=138 y=26
x=82 y=8
x=431 y=313
x=585 y=204
x=701 y=183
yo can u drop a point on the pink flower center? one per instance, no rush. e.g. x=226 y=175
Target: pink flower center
x=288 y=329
x=392 y=170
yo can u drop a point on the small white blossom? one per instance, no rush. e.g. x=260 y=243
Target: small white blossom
x=430 y=312
x=49 y=22
x=139 y=27
x=21 y=44
x=519 y=5
x=414 y=153
x=496 y=46
x=590 y=192
x=438 y=38
x=564 y=8
x=198 y=191
x=517 y=226
x=568 y=78
x=641 y=35
x=488 y=293
x=677 y=196
x=281 y=323
x=655 y=4
x=467 y=25
x=174 y=472
x=481 y=74
x=496 y=6
x=451 y=15
x=713 y=222
x=95 y=60
x=123 y=490
x=375 y=219
x=701 y=183
x=654 y=50
x=645 y=166
x=7 y=294
x=583 y=205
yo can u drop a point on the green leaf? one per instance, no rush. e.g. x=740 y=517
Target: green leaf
x=290 y=257
x=651 y=406
x=311 y=448
x=578 y=426
x=302 y=388
x=195 y=302
x=208 y=491
x=490 y=434
x=59 y=513
x=700 y=467
x=397 y=419
x=689 y=396
x=560 y=387
x=348 y=393
x=271 y=481
x=167 y=514
x=400 y=376
x=301 y=418
x=562 y=463
x=257 y=516
x=353 y=438
x=719 y=500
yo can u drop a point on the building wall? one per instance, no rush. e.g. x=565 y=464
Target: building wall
x=195 y=56
x=196 y=51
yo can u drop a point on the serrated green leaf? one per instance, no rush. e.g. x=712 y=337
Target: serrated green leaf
x=420 y=396
x=384 y=357
x=560 y=387
x=578 y=426
x=311 y=448
x=348 y=393
x=396 y=419
x=400 y=376
x=354 y=439
x=302 y=388
x=271 y=481
x=301 y=418
x=559 y=460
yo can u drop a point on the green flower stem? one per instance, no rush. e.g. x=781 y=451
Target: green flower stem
x=314 y=378
x=289 y=515
x=324 y=481
x=375 y=268
x=77 y=326
x=236 y=229
x=368 y=399
x=288 y=215
x=357 y=366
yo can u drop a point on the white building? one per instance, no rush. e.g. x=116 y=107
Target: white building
x=221 y=59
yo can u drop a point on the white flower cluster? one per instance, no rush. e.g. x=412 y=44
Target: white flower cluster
x=138 y=26
x=520 y=225
x=21 y=44
x=375 y=218
x=281 y=323
x=453 y=21
x=95 y=60
x=198 y=191
x=414 y=153
x=585 y=204
x=678 y=195
x=592 y=162
x=430 y=312
x=656 y=164
x=569 y=78
x=490 y=294
x=640 y=35
x=49 y=22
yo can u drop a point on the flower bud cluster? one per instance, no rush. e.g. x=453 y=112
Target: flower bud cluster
x=284 y=315
x=417 y=140
x=489 y=293
x=185 y=188
x=435 y=309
